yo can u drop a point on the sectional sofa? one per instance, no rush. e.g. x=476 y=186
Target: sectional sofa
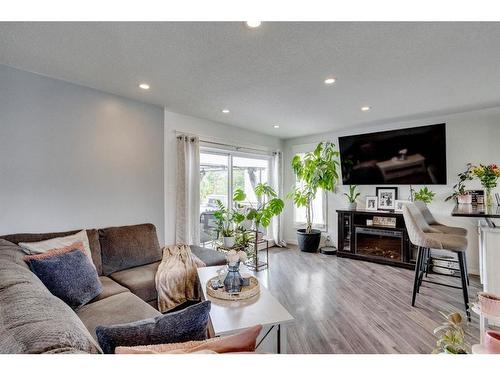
x=32 y=320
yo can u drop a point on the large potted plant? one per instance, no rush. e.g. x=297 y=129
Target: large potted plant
x=269 y=206
x=316 y=170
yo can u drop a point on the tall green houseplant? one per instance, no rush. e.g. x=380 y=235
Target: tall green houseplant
x=315 y=170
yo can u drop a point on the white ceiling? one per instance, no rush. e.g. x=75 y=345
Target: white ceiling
x=273 y=74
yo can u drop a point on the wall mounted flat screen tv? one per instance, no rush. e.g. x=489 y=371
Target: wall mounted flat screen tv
x=397 y=157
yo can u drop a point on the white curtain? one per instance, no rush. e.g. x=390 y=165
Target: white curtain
x=277 y=184
x=187 y=222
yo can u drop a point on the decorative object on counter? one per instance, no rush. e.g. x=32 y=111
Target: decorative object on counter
x=477 y=196
x=459 y=193
x=369 y=222
x=384 y=221
x=489 y=303
x=451 y=335
x=316 y=170
x=424 y=194
x=488 y=175
x=371 y=203
x=329 y=248
x=399 y=205
x=351 y=197
x=387 y=197
x=491 y=344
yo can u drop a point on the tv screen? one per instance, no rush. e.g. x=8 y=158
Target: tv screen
x=404 y=156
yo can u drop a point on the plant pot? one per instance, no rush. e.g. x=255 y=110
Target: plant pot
x=352 y=206
x=489 y=303
x=228 y=241
x=464 y=199
x=308 y=242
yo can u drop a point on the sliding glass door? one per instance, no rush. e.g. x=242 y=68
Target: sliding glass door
x=221 y=173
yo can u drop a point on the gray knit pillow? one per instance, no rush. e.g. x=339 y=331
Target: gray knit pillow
x=68 y=275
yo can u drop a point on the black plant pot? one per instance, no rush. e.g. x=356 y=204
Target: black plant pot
x=308 y=242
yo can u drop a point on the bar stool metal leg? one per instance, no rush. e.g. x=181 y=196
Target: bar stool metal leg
x=417 y=275
x=423 y=267
x=463 y=277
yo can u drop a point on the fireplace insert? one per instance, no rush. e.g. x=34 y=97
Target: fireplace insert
x=380 y=243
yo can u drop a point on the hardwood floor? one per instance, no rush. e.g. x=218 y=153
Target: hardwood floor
x=350 y=306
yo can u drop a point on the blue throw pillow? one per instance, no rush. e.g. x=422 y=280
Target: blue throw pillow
x=69 y=276
x=180 y=326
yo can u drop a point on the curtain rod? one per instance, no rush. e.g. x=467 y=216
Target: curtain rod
x=235 y=147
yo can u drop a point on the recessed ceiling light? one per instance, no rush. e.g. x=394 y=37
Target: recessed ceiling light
x=253 y=24
x=276 y=126
x=330 y=81
x=225 y=110
x=144 y=86
x=366 y=108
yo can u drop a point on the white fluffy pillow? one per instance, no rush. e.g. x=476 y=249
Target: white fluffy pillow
x=58 y=242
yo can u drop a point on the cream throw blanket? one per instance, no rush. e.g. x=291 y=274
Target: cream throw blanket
x=176 y=278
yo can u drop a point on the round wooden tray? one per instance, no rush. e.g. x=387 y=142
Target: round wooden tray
x=246 y=292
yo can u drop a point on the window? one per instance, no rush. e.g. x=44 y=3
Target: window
x=318 y=211
x=221 y=173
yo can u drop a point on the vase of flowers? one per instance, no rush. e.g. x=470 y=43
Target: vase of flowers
x=488 y=175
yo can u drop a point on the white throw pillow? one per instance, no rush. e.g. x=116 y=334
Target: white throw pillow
x=58 y=242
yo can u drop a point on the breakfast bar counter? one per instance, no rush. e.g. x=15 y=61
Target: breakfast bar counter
x=489 y=242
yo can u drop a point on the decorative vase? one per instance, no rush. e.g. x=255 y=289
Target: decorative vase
x=233 y=281
x=228 y=241
x=488 y=198
x=352 y=206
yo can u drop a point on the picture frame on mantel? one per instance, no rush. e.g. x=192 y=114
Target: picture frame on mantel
x=400 y=204
x=371 y=203
x=387 y=197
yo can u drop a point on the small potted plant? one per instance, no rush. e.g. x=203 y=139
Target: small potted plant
x=424 y=194
x=316 y=170
x=351 y=197
x=227 y=219
x=451 y=335
x=459 y=192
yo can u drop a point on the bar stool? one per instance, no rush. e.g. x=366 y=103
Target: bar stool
x=420 y=236
x=434 y=225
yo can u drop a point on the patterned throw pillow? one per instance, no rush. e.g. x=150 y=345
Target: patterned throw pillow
x=67 y=273
x=58 y=243
x=180 y=326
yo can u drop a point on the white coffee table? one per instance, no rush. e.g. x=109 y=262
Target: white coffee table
x=229 y=317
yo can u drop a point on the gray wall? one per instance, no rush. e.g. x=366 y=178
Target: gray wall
x=73 y=157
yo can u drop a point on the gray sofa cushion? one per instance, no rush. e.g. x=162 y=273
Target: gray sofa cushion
x=140 y=280
x=32 y=320
x=128 y=246
x=186 y=325
x=109 y=288
x=208 y=256
x=120 y=308
x=92 y=234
